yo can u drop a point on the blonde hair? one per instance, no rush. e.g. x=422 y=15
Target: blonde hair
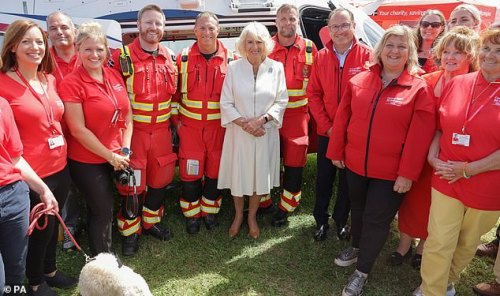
x=93 y=31
x=491 y=35
x=465 y=40
x=259 y=32
x=408 y=36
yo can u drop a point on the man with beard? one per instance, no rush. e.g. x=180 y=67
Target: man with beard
x=151 y=78
x=296 y=54
x=340 y=59
x=202 y=68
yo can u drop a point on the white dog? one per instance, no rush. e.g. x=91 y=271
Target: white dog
x=104 y=275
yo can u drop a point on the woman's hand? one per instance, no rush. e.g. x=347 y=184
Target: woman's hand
x=47 y=197
x=451 y=170
x=118 y=161
x=402 y=184
x=339 y=163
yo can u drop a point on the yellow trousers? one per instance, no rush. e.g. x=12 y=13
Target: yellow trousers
x=454 y=234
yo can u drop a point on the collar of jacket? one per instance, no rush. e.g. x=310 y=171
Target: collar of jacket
x=142 y=55
x=296 y=43
x=195 y=50
x=405 y=79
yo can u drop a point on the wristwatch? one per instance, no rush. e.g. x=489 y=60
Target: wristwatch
x=126 y=151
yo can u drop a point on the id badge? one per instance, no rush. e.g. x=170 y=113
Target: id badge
x=56 y=141
x=137 y=174
x=193 y=167
x=460 y=139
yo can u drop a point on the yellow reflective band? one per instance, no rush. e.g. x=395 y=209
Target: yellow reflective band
x=175 y=108
x=191 y=213
x=151 y=220
x=174 y=105
x=163 y=118
x=191 y=104
x=131 y=230
x=287 y=206
x=185 y=204
x=174 y=111
x=309 y=55
x=164 y=105
x=210 y=210
x=265 y=198
x=213 y=116
x=189 y=114
x=290 y=195
x=296 y=92
x=297 y=104
x=141 y=106
x=151 y=212
x=141 y=118
x=213 y=105
x=211 y=202
x=184 y=67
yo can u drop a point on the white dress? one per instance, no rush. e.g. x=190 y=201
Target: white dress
x=251 y=164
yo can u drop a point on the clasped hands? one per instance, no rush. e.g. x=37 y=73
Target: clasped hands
x=253 y=126
x=448 y=170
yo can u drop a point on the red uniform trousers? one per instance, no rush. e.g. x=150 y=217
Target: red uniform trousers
x=153 y=157
x=294 y=140
x=200 y=149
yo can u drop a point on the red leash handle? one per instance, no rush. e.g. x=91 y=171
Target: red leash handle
x=40 y=210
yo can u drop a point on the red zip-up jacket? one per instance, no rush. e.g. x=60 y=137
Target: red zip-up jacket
x=328 y=79
x=384 y=133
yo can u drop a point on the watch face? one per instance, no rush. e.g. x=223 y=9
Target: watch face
x=125 y=151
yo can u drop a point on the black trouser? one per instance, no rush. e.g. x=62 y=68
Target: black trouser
x=41 y=258
x=94 y=181
x=374 y=204
x=325 y=179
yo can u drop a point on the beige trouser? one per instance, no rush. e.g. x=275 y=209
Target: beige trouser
x=496 y=268
x=454 y=234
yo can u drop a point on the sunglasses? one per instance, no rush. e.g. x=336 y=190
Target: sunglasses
x=435 y=25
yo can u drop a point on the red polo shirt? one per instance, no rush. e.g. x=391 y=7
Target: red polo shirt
x=10 y=147
x=98 y=103
x=32 y=115
x=480 y=191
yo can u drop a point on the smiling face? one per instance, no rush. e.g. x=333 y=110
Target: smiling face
x=206 y=31
x=489 y=59
x=151 y=26
x=31 y=48
x=60 y=31
x=254 y=48
x=461 y=17
x=454 y=60
x=287 y=22
x=92 y=54
x=428 y=29
x=341 y=28
x=394 y=53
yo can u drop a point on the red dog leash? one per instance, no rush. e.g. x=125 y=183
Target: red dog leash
x=40 y=210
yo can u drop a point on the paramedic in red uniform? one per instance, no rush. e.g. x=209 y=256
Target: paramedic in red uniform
x=333 y=66
x=202 y=69
x=383 y=129
x=151 y=78
x=296 y=54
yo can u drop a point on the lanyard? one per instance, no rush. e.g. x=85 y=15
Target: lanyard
x=473 y=100
x=110 y=94
x=49 y=112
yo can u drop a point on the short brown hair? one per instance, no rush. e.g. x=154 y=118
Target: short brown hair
x=491 y=35
x=287 y=7
x=341 y=9
x=207 y=14
x=13 y=36
x=153 y=7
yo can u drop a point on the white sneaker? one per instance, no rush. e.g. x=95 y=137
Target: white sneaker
x=450 y=291
x=347 y=257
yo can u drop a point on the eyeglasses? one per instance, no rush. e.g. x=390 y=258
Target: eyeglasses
x=434 y=25
x=342 y=27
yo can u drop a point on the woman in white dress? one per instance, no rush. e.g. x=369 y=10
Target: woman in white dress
x=253 y=100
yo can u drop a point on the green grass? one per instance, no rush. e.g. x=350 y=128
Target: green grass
x=285 y=261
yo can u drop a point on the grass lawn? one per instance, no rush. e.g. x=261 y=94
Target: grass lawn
x=285 y=261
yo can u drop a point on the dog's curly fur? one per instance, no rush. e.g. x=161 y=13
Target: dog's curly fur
x=104 y=276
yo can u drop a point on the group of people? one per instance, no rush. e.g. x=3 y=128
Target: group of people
x=400 y=140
